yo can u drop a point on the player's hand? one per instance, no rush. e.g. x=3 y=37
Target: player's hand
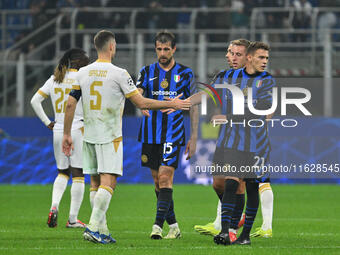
x=218 y=119
x=145 y=113
x=190 y=148
x=168 y=111
x=67 y=144
x=179 y=104
x=51 y=125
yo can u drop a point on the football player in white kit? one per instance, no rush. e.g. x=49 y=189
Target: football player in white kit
x=103 y=88
x=58 y=86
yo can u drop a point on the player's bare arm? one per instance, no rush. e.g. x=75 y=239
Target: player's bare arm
x=69 y=114
x=195 y=99
x=146 y=103
x=144 y=112
x=191 y=145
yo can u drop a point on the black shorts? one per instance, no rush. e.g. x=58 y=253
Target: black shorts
x=234 y=163
x=218 y=155
x=262 y=176
x=156 y=155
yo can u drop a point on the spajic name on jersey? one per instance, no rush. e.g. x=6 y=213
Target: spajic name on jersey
x=98 y=73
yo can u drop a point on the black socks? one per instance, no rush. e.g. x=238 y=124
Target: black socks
x=163 y=204
x=228 y=203
x=170 y=217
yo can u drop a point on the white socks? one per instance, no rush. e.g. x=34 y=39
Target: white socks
x=77 y=195
x=93 y=193
x=217 y=222
x=59 y=186
x=267 y=200
x=100 y=201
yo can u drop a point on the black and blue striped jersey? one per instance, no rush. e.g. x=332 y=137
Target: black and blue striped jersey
x=238 y=136
x=158 y=84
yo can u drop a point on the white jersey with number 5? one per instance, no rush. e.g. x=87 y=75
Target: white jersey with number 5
x=59 y=94
x=104 y=88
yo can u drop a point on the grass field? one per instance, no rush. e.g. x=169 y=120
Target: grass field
x=306 y=221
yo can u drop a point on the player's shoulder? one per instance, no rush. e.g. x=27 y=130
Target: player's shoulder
x=117 y=69
x=223 y=73
x=267 y=80
x=267 y=75
x=184 y=69
x=118 y=72
x=148 y=67
x=50 y=81
x=83 y=69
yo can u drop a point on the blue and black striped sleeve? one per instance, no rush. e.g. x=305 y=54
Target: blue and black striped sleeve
x=190 y=89
x=142 y=79
x=265 y=97
x=218 y=78
x=221 y=77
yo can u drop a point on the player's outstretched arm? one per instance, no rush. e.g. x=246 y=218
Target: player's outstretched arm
x=69 y=115
x=144 y=112
x=196 y=98
x=150 y=104
x=38 y=109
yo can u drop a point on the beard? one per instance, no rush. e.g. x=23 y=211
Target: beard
x=166 y=63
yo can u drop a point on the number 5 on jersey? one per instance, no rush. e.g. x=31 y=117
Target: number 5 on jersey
x=97 y=103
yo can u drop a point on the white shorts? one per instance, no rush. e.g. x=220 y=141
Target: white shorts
x=103 y=158
x=75 y=160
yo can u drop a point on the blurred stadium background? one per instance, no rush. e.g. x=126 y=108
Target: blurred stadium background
x=304 y=36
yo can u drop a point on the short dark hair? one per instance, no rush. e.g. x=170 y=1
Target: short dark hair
x=241 y=42
x=166 y=36
x=101 y=38
x=254 y=46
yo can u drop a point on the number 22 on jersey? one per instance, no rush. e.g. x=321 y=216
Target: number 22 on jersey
x=60 y=106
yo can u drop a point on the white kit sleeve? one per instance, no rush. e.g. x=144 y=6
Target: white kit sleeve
x=37 y=107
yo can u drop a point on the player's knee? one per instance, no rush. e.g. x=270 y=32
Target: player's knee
x=165 y=181
x=109 y=180
x=165 y=176
x=95 y=181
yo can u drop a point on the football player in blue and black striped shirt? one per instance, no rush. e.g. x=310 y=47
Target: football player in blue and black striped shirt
x=236 y=57
x=163 y=134
x=241 y=142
